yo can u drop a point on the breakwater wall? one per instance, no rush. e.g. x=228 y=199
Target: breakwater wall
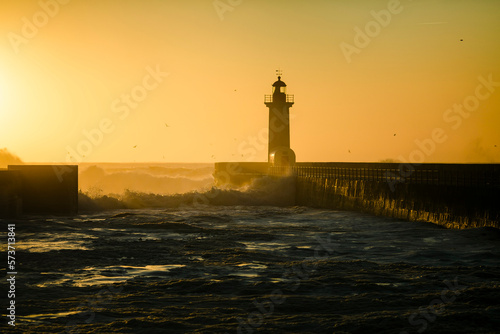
x=38 y=189
x=10 y=193
x=452 y=195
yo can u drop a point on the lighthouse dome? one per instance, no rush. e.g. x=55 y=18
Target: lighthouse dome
x=279 y=83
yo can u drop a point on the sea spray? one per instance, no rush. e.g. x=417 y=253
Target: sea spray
x=142 y=178
x=262 y=191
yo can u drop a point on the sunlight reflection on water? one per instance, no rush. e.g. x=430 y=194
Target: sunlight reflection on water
x=73 y=241
x=46 y=316
x=265 y=245
x=92 y=276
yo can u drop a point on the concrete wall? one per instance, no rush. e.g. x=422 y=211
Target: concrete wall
x=452 y=195
x=48 y=189
x=10 y=194
x=450 y=206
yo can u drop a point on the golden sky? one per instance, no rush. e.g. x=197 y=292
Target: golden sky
x=184 y=81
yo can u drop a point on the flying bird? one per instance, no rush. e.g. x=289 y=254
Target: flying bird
x=135 y=146
x=166 y=125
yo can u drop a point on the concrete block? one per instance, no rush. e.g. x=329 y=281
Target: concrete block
x=10 y=194
x=48 y=189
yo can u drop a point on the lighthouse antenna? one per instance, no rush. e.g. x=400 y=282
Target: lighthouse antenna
x=279 y=73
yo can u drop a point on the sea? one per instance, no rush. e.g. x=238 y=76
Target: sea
x=157 y=248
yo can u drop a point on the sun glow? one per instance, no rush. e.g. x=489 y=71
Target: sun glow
x=4 y=104
x=7 y=95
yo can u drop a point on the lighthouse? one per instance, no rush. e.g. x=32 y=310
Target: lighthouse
x=279 y=104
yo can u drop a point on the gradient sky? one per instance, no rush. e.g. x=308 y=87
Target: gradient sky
x=69 y=76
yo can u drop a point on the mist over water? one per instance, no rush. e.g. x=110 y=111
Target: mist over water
x=138 y=186
x=105 y=179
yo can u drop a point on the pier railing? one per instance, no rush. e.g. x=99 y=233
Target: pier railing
x=269 y=98
x=483 y=175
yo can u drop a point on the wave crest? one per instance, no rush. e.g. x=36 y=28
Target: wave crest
x=152 y=179
x=262 y=191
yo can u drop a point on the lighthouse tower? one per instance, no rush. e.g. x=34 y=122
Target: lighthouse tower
x=279 y=104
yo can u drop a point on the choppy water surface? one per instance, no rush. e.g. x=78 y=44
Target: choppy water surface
x=254 y=270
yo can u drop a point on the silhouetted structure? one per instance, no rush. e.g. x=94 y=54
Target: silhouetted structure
x=279 y=151
x=38 y=189
x=10 y=193
x=279 y=104
x=453 y=195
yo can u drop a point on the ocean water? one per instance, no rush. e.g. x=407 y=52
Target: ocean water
x=239 y=261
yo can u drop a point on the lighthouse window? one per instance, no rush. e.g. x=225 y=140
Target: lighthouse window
x=282 y=89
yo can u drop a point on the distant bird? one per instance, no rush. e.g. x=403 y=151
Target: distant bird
x=495 y=146
x=166 y=125
x=349 y=151
x=394 y=134
x=461 y=40
x=135 y=146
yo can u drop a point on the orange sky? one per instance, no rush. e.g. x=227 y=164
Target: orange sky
x=66 y=72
